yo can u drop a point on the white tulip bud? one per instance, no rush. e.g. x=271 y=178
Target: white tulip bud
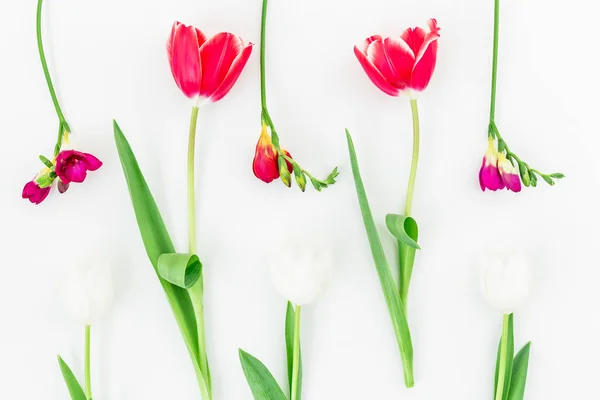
x=299 y=273
x=506 y=282
x=88 y=290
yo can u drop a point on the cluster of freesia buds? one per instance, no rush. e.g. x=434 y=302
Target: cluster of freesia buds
x=69 y=166
x=502 y=168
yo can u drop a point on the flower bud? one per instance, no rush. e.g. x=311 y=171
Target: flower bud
x=489 y=176
x=265 y=164
x=300 y=177
x=506 y=282
x=284 y=171
x=509 y=174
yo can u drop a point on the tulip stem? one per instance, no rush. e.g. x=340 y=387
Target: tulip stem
x=296 y=358
x=415 y=158
x=88 y=379
x=503 y=358
x=197 y=291
x=495 y=63
x=59 y=113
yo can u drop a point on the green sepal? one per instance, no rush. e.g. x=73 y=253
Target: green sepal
x=180 y=269
x=284 y=173
x=510 y=351
x=519 y=373
x=404 y=228
x=46 y=162
x=300 y=177
x=44 y=181
x=73 y=385
x=290 y=324
x=388 y=286
x=548 y=180
x=261 y=381
x=524 y=172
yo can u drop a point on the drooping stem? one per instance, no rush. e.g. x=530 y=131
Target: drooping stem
x=88 y=379
x=197 y=291
x=296 y=359
x=266 y=117
x=495 y=60
x=503 y=358
x=40 y=44
x=415 y=158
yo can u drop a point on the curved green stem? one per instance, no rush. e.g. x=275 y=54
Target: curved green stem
x=415 y=158
x=503 y=358
x=88 y=379
x=495 y=59
x=296 y=359
x=40 y=44
x=197 y=291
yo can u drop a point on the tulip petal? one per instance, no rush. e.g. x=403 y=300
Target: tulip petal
x=374 y=74
x=376 y=54
x=401 y=59
x=426 y=59
x=185 y=59
x=233 y=74
x=414 y=37
x=217 y=55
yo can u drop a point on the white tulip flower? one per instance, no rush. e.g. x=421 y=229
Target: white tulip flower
x=299 y=273
x=88 y=291
x=506 y=282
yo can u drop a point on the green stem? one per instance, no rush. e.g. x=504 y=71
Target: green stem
x=197 y=291
x=503 y=358
x=495 y=60
x=415 y=158
x=40 y=44
x=296 y=360
x=88 y=379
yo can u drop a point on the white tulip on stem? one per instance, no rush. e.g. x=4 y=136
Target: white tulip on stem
x=88 y=294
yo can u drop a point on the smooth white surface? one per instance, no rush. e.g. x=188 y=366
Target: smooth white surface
x=108 y=59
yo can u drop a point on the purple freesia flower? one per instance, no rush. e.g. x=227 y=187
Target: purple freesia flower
x=34 y=193
x=509 y=173
x=489 y=175
x=73 y=165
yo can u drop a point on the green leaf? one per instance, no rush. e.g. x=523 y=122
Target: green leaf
x=180 y=269
x=74 y=387
x=46 y=162
x=261 y=381
x=157 y=242
x=290 y=323
x=404 y=229
x=519 y=374
x=510 y=351
x=392 y=297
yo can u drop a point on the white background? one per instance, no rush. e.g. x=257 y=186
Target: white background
x=108 y=59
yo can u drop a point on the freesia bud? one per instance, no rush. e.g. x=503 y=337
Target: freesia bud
x=72 y=165
x=284 y=171
x=506 y=282
x=300 y=274
x=489 y=175
x=34 y=193
x=509 y=174
x=300 y=177
x=202 y=67
x=266 y=159
x=395 y=64
x=88 y=291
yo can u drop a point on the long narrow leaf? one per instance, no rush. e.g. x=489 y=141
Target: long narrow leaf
x=392 y=297
x=519 y=374
x=156 y=240
x=261 y=381
x=73 y=385
x=510 y=351
x=290 y=324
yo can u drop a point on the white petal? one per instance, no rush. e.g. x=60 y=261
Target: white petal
x=506 y=282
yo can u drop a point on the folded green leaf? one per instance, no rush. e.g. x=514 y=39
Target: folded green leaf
x=290 y=323
x=519 y=374
x=392 y=297
x=74 y=387
x=404 y=228
x=181 y=269
x=157 y=242
x=510 y=351
x=261 y=381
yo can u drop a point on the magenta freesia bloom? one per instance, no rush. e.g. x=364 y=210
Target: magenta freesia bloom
x=489 y=175
x=509 y=174
x=72 y=165
x=34 y=193
x=395 y=64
